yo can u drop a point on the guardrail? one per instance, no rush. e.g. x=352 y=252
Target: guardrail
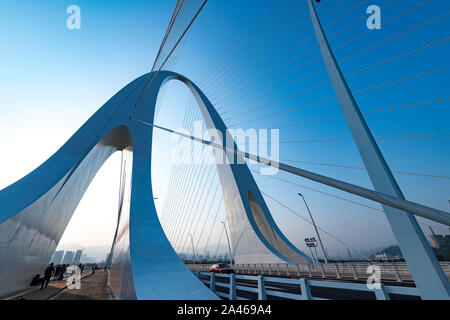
x=397 y=271
x=233 y=288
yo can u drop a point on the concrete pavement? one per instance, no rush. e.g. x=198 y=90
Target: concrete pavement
x=94 y=287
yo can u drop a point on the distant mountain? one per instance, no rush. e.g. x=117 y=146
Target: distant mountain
x=389 y=252
x=212 y=248
x=392 y=251
x=370 y=252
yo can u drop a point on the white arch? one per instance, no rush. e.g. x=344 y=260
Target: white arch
x=35 y=210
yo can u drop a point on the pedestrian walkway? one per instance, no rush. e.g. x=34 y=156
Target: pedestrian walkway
x=93 y=287
x=36 y=293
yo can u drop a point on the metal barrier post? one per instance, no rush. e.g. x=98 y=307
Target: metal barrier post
x=355 y=275
x=323 y=272
x=232 y=287
x=278 y=267
x=298 y=270
x=381 y=293
x=261 y=289
x=309 y=270
x=212 y=282
x=287 y=270
x=338 y=275
x=304 y=287
x=397 y=274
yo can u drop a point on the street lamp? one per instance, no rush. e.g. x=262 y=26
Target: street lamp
x=229 y=245
x=315 y=228
x=193 y=251
x=310 y=244
x=237 y=242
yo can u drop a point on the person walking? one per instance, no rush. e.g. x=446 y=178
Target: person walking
x=56 y=273
x=61 y=272
x=47 y=275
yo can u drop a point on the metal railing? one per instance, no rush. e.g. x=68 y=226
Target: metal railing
x=397 y=271
x=242 y=287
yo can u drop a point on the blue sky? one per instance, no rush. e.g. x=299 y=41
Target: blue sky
x=53 y=79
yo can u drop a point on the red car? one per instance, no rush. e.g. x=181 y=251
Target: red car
x=221 y=268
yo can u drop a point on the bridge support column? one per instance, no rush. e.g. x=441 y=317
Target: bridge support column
x=425 y=269
x=261 y=289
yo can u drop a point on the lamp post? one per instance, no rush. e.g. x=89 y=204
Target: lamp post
x=314 y=245
x=228 y=241
x=237 y=242
x=309 y=244
x=315 y=228
x=193 y=251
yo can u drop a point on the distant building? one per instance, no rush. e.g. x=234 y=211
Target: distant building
x=381 y=256
x=436 y=239
x=85 y=259
x=77 y=258
x=389 y=253
x=57 y=257
x=68 y=257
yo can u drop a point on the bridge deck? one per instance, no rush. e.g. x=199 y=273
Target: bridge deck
x=93 y=287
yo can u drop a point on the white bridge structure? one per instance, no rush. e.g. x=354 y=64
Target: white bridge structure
x=35 y=210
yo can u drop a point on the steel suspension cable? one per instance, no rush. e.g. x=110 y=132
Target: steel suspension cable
x=362 y=34
x=361 y=168
x=348 y=75
x=404 y=205
x=231 y=65
x=207 y=217
x=226 y=54
x=330 y=195
x=213 y=224
x=318 y=227
x=324 y=83
x=236 y=63
x=196 y=202
x=366 y=112
x=299 y=55
x=310 y=48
